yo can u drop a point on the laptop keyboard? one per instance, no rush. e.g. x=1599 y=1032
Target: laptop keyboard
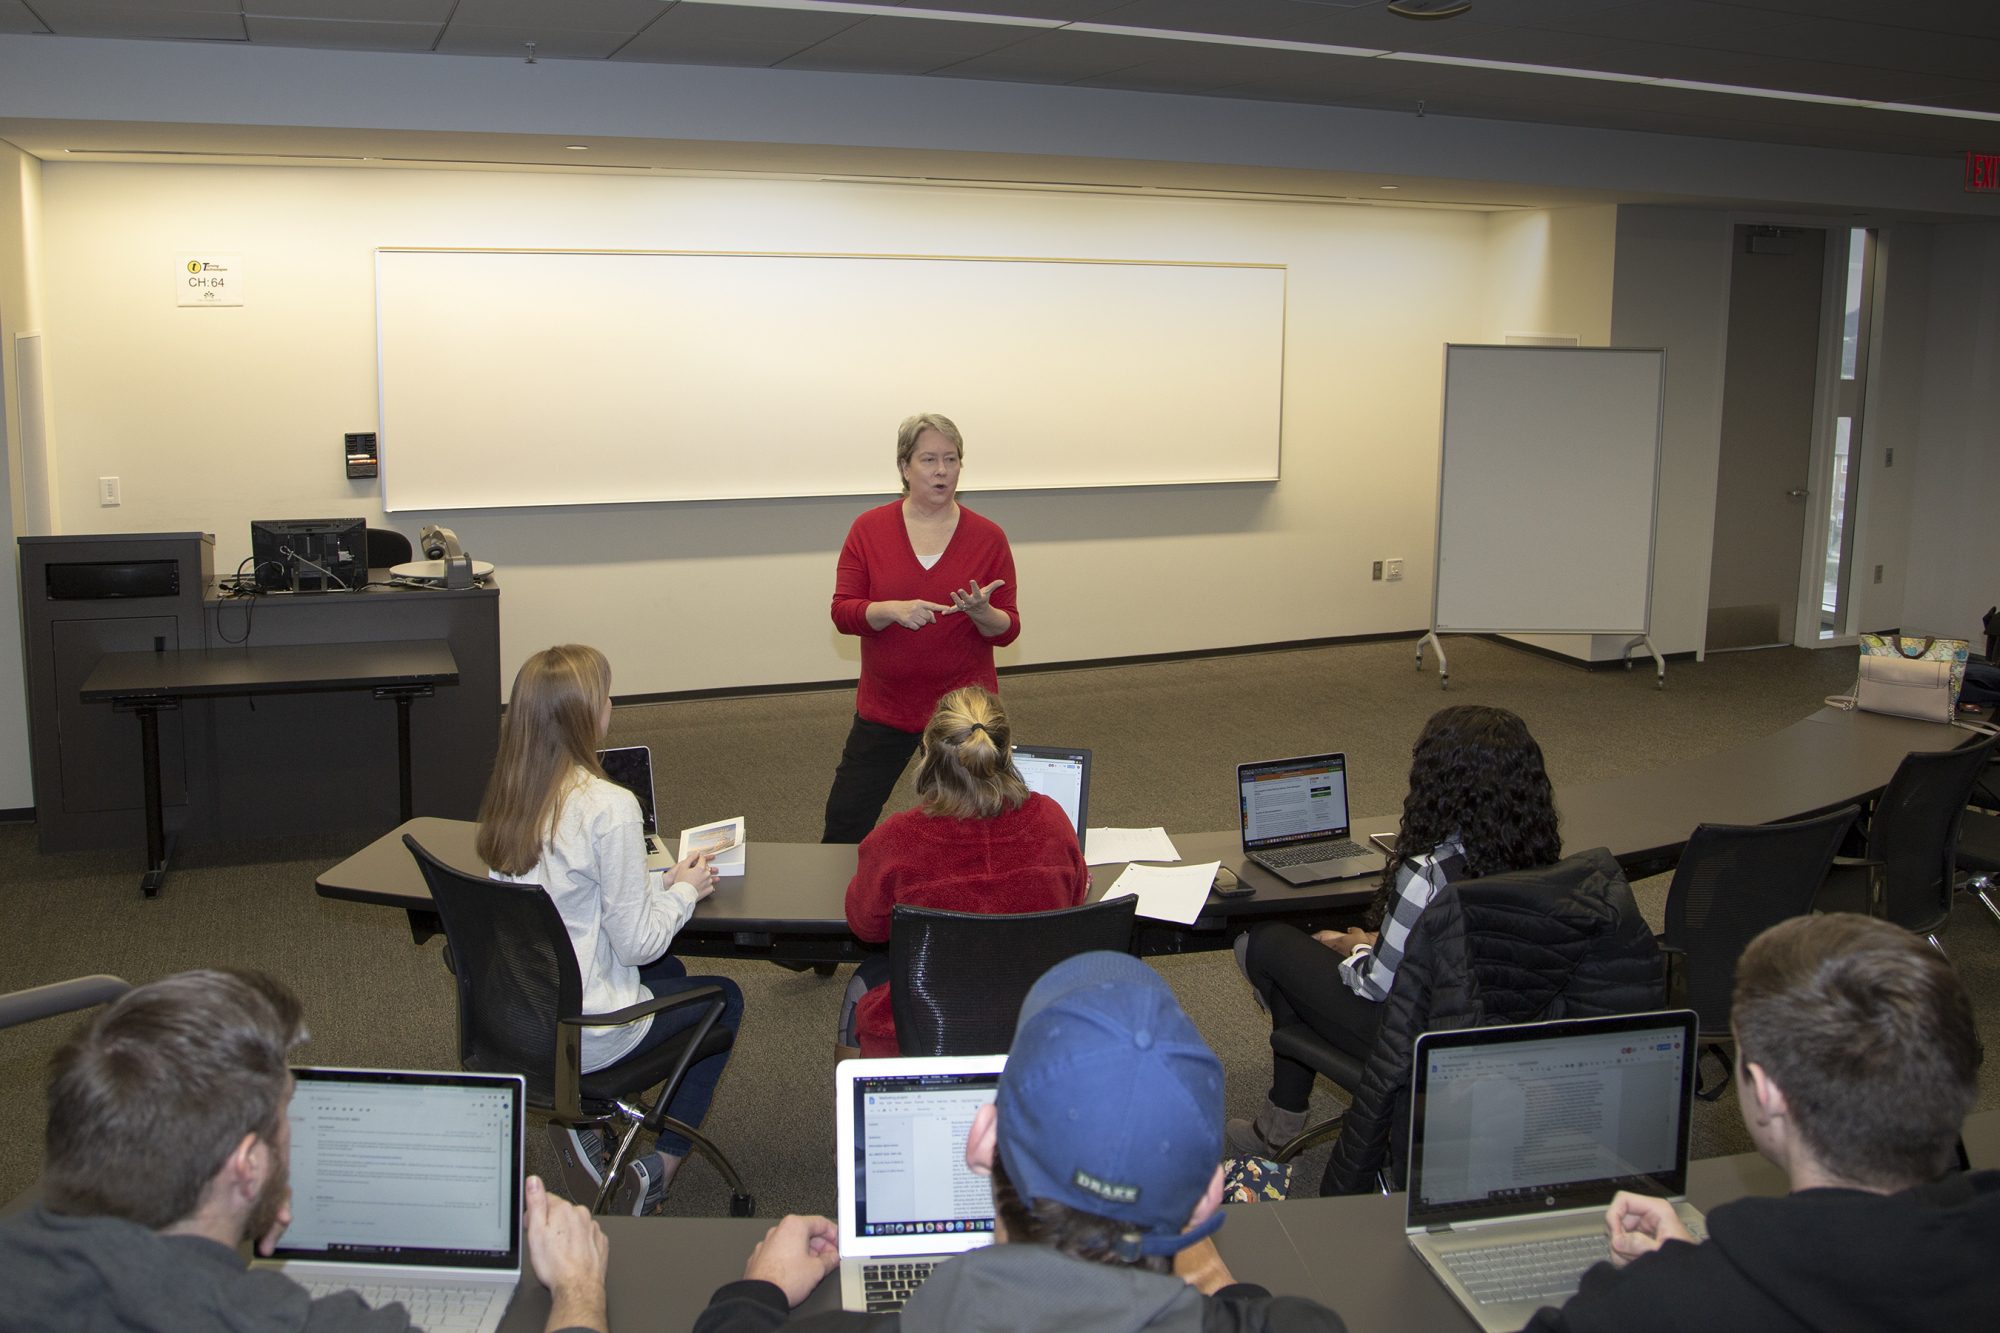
x=439 y=1309
x=887 y=1286
x=1307 y=853
x=1546 y=1271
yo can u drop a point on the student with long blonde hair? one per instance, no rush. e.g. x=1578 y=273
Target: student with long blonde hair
x=977 y=841
x=552 y=818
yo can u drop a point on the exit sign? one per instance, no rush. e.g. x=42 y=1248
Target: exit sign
x=1982 y=173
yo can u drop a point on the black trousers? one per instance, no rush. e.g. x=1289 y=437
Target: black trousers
x=1299 y=979
x=871 y=763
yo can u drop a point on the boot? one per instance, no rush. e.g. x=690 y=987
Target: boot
x=1273 y=1128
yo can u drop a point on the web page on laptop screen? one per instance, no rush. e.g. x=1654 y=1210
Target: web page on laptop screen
x=909 y=1157
x=381 y=1168
x=1061 y=780
x=1294 y=801
x=1515 y=1119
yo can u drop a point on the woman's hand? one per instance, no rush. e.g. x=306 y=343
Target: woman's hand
x=913 y=614
x=1344 y=942
x=695 y=871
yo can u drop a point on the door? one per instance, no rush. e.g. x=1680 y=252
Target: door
x=1769 y=382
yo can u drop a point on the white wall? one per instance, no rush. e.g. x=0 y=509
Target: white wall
x=1954 y=541
x=20 y=312
x=213 y=417
x=1900 y=354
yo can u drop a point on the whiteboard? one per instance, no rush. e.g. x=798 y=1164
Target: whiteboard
x=1548 y=489
x=533 y=377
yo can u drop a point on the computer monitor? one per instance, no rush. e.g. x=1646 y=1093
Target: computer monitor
x=309 y=554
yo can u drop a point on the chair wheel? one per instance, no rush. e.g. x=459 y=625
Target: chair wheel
x=824 y=969
x=742 y=1205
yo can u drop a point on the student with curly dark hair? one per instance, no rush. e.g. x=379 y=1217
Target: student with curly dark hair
x=1480 y=803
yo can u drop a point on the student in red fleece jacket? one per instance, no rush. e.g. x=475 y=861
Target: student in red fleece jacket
x=928 y=587
x=979 y=841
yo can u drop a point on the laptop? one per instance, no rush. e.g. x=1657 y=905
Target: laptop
x=407 y=1187
x=908 y=1202
x=1061 y=773
x=1295 y=820
x=631 y=767
x=1519 y=1136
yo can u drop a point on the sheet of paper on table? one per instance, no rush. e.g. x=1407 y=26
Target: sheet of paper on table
x=723 y=840
x=1109 y=846
x=1167 y=893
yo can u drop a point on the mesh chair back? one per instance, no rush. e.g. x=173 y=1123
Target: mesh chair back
x=1731 y=884
x=1914 y=829
x=957 y=979
x=515 y=971
x=387 y=547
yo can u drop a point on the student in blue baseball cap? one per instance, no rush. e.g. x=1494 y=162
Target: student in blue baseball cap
x=1102 y=1146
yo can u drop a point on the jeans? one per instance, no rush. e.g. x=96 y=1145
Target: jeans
x=871 y=763
x=666 y=975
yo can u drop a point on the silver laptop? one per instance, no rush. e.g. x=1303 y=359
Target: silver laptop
x=1296 y=822
x=907 y=1200
x=1061 y=773
x=631 y=767
x=407 y=1187
x=1519 y=1136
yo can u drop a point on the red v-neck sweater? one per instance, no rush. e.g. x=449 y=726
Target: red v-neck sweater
x=1024 y=860
x=904 y=672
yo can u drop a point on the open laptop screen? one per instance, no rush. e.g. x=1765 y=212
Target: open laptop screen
x=397 y=1167
x=1543 y=1116
x=631 y=767
x=1061 y=773
x=1293 y=800
x=904 y=1141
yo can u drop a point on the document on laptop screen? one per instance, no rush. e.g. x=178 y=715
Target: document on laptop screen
x=911 y=1157
x=1517 y=1119
x=1288 y=802
x=1061 y=780
x=378 y=1166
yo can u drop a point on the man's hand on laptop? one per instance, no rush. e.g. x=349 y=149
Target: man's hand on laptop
x=794 y=1255
x=570 y=1255
x=1638 y=1224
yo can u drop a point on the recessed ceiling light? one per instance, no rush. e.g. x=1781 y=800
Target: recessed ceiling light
x=1388 y=187
x=577 y=147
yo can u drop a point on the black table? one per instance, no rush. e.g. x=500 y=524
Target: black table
x=149 y=683
x=789 y=905
x=1347 y=1253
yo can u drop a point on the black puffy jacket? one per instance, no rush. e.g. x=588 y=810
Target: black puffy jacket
x=1560 y=941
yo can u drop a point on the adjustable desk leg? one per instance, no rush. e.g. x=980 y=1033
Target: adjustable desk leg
x=159 y=847
x=402 y=694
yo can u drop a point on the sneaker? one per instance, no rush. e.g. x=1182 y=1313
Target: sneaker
x=642 y=1187
x=584 y=1155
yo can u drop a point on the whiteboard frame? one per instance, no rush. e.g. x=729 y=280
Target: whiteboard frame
x=1645 y=626
x=1257 y=474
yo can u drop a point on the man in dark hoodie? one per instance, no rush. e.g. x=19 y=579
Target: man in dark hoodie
x=1101 y=1145
x=168 y=1149
x=1856 y=1063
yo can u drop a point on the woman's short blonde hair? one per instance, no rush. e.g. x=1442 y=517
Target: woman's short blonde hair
x=906 y=439
x=967 y=769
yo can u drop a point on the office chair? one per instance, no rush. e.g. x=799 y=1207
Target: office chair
x=520 y=1001
x=1732 y=883
x=957 y=979
x=387 y=547
x=1560 y=941
x=1908 y=873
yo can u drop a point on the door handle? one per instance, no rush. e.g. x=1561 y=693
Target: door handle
x=1798 y=493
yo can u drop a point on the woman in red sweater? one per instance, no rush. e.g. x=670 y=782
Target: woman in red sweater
x=978 y=841
x=928 y=586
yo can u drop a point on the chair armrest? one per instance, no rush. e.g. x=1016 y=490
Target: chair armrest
x=1869 y=866
x=1677 y=984
x=59 y=997
x=1855 y=863
x=632 y=1013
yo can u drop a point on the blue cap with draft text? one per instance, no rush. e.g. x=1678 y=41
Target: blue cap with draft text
x=1111 y=1103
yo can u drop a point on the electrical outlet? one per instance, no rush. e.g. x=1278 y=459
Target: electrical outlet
x=1878 y=573
x=108 y=493
x=1392 y=570
x=1377 y=575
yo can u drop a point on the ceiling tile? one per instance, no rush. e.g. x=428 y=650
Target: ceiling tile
x=1874 y=44
x=1980 y=18
x=341 y=35
x=718 y=35
x=352 y=11
x=1069 y=11
x=1058 y=57
x=626 y=16
x=905 y=46
x=1683 y=22
x=83 y=18
x=16 y=17
x=1237 y=18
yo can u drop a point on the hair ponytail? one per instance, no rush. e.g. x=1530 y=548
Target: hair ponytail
x=967 y=770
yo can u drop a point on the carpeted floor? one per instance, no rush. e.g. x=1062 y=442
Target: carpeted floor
x=1165 y=736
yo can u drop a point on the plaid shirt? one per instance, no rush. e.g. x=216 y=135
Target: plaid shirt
x=1370 y=972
